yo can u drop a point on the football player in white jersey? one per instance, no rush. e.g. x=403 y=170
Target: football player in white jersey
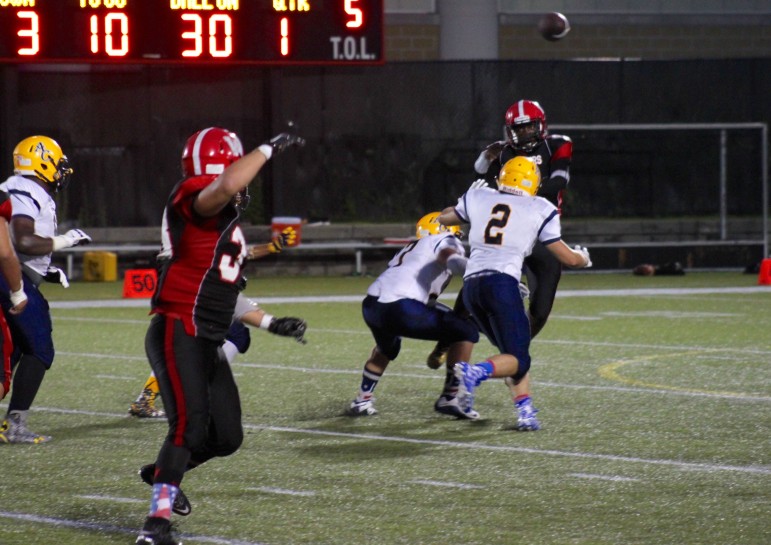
x=401 y=302
x=504 y=226
x=40 y=171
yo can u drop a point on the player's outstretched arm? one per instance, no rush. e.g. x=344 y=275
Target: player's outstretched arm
x=575 y=258
x=240 y=174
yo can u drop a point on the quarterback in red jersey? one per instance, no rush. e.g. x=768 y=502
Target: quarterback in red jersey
x=192 y=309
x=527 y=136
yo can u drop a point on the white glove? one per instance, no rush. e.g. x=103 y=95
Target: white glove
x=71 y=238
x=585 y=253
x=478 y=184
x=55 y=274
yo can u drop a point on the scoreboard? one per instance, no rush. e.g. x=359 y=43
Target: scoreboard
x=192 y=31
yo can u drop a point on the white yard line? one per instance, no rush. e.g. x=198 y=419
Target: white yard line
x=761 y=470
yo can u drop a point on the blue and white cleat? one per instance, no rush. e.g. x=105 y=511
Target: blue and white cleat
x=526 y=420
x=466 y=384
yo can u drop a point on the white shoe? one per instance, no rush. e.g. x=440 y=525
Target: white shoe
x=362 y=408
x=450 y=406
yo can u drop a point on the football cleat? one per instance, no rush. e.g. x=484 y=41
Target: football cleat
x=15 y=430
x=181 y=505
x=466 y=385
x=362 y=408
x=144 y=406
x=449 y=405
x=526 y=420
x=437 y=358
x=156 y=531
x=469 y=377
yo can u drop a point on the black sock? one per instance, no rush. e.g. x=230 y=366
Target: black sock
x=26 y=383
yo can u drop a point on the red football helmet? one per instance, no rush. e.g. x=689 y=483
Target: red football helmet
x=210 y=151
x=525 y=125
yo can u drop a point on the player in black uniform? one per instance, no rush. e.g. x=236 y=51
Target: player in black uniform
x=527 y=135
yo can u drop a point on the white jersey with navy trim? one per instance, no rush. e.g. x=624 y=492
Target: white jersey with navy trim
x=415 y=273
x=504 y=228
x=32 y=201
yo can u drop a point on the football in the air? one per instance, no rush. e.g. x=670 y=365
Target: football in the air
x=553 y=26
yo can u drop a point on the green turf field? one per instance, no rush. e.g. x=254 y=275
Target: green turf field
x=655 y=405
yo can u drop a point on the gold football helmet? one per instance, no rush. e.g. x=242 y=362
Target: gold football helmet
x=429 y=225
x=520 y=176
x=42 y=157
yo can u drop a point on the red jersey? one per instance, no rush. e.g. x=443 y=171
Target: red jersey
x=6 y=210
x=553 y=156
x=199 y=282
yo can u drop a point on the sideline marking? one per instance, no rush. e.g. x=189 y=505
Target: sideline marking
x=121 y=303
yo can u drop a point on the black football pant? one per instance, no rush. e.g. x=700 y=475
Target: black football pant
x=199 y=395
x=543 y=272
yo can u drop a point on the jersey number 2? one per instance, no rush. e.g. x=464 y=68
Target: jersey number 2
x=498 y=220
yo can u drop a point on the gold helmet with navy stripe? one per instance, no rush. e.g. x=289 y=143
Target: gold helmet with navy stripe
x=429 y=225
x=42 y=158
x=520 y=176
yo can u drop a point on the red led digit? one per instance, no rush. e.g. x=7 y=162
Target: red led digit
x=94 y=25
x=32 y=32
x=121 y=21
x=357 y=15
x=196 y=35
x=112 y=22
x=227 y=26
x=284 y=36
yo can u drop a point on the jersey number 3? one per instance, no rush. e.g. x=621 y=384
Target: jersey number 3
x=499 y=217
x=230 y=265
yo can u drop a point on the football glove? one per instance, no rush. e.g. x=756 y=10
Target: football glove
x=585 y=253
x=478 y=184
x=282 y=141
x=73 y=237
x=494 y=150
x=289 y=327
x=287 y=237
x=56 y=275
